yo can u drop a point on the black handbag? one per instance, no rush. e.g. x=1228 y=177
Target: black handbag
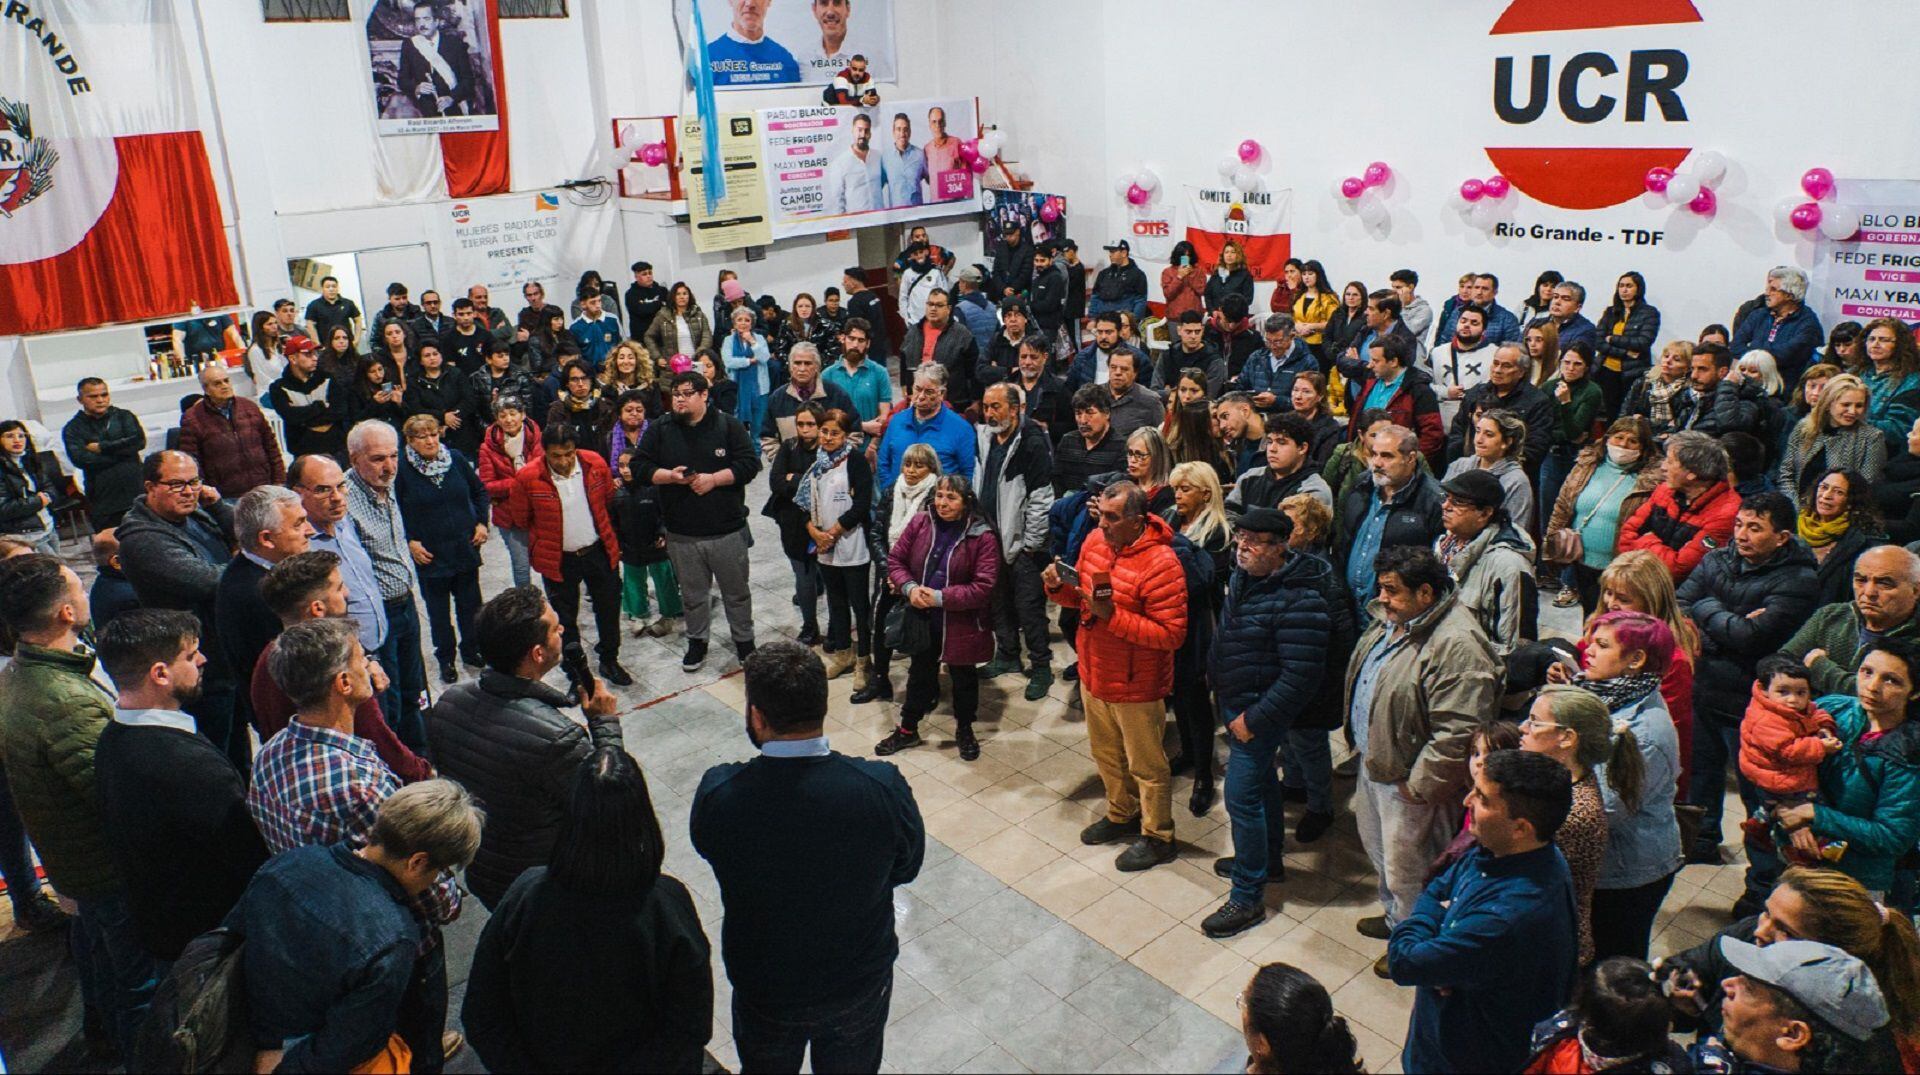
x=909 y=630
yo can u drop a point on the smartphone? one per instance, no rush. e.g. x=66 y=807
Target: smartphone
x=1068 y=576
x=1186 y=259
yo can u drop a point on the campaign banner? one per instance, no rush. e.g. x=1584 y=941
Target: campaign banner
x=1262 y=223
x=503 y=242
x=829 y=167
x=754 y=44
x=432 y=67
x=1875 y=273
x=1024 y=209
x=740 y=218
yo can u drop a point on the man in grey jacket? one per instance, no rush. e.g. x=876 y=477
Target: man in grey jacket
x=505 y=739
x=1013 y=475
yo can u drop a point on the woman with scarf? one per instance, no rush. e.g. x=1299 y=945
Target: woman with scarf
x=791 y=463
x=512 y=441
x=25 y=492
x=643 y=544
x=581 y=405
x=897 y=504
x=1838 y=523
x=1653 y=395
x=745 y=355
x=945 y=566
x=1626 y=654
x=444 y=506
x=836 y=498
x=1608 y=483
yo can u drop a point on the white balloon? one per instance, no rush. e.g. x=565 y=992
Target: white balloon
x=1147 y=181
x=991 y=144
x=1682 y=189
x=1246 y=180
x=1838 y=222
x=1456 y=202
x=1783 y=211
x=1121 y=182
x=1229 y=165
x=1709 y=166
x=1483 y=215
x=1372 y=209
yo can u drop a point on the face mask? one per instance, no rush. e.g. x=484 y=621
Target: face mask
x=1623 y=457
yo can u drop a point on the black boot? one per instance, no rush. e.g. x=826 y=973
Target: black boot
x=1202 y=799
x=878 y=689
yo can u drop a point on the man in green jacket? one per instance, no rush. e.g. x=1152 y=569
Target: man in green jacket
x=1886 y=589
x=51 y=715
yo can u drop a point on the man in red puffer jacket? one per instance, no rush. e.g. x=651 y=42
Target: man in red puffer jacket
x=565 y=500
x=1132 y=597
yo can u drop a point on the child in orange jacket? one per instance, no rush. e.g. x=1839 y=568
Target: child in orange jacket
x=1783 y=739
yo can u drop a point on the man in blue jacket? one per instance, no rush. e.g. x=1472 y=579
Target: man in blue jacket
x=1490 y=945
x=1268 y=660
x=927 y=420
x=1269 y=372
x=1563 y=312
x=1786 y=328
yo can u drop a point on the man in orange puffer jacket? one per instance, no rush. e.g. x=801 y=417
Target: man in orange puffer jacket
x=1132 y=597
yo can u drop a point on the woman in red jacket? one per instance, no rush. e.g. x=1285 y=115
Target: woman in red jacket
x=944 y=566
x=1183 y=282
x=512 y=441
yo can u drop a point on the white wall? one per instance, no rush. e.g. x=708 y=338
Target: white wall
x=1089 y=88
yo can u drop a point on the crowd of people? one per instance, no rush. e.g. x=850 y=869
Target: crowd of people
x=1339 y=517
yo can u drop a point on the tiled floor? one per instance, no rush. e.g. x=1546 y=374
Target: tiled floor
x=1020 y=948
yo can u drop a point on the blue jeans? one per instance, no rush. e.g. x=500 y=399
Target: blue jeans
x=117 y=975
x=1715 y=746
x=1553 y=474
x=846 y=1035
x=1308 y=758
x=16 y=857
x=1254 y=807
x=403 y=702
x=516 y=542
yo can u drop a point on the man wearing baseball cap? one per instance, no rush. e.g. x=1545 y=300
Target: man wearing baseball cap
x=1798 y=1006
x=1490 y=559
x=1121 y=285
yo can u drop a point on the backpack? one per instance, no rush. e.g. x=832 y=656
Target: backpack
x=198 y=1021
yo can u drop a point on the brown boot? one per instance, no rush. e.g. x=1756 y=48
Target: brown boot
x=839 y=663
x=862 y=672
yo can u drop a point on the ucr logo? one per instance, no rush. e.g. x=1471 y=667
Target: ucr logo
x=462 y=213
x=1236 y=222
x=1588 y=87
x=26 y=162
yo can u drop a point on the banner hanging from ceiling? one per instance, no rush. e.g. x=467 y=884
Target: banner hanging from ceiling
x=108 y=210
x=739 y=218
x=433 y=66
x=754 y=44
x=829 y=168
x=504 y=242
x=1261 y=222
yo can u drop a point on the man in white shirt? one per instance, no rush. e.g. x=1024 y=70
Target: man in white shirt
x=904 y=165
x=853 y=178
x=568 y=508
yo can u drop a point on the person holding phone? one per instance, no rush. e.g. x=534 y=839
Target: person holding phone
x=1182 y=283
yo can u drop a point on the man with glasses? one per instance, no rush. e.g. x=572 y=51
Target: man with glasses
x=374 y=450
x=431 y=322
x=927 y=420
x=1786 y=327
x=230 y=437
x=322 y=486
x=1563 y=312
x=702 y=461
x=175 y=543
x=1267 y=663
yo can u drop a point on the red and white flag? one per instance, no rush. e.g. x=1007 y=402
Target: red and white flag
x=108 y=210
x=1262 y=222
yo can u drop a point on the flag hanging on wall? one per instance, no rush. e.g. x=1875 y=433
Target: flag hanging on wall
x=108 y=210
x=1262 y=222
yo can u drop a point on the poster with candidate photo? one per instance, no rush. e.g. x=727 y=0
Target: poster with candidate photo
x=758 y=43
x=1040 y=217
x=832 y=167
x=432 y=66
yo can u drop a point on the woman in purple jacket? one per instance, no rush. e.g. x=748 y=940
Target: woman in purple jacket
x=944 y=566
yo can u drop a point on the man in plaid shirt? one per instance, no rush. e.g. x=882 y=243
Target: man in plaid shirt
x=316 y=782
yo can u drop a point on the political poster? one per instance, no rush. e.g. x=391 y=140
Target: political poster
x=740 y=218
x=829 y=167
x=760 y=43
x=1261 y=222
x=1023 y=209
x=503 y=242
x=1876 y=272
x=432 y=67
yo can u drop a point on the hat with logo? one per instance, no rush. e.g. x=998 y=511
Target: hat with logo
x=1477 y=487
x=1066 y=244
x=296 y=344
x=1828 y=982
x=1267 y=521
x=1119 y=244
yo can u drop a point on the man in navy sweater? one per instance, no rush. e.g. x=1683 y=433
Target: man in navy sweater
x=808 y=846
x=1506 y=903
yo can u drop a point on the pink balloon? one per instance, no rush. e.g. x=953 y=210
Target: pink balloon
x=1473 y=190
x=654 y=153
x=1249 y=151
x=969 y=149
x=1818 y=183
x=1137 y=195
x=1377 y=173
x=1658 y=178
x=1805 y=217
x=1049 y=212
x=1353 y=186
x=1704 y=203
x=1497 y=186
x=981 y=164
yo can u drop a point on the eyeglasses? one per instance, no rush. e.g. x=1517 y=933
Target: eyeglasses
x=1532 y=724
x=181 y=485
x=684 y=393
x=323 y=490
x=1137 y=453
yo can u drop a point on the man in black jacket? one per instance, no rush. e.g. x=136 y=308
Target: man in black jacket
x=702 y=460
x=1076 y=272
x=1048 y=292
x=271 y=525
x=953 y=346
x=1012 y=262
x=1091 y=446
x=865 y=303
x=644 y=299
x=1121 y=285
x=1012 y=475
x=310 y=405
x=105 y=442
x=165 y=790
x=808 y=846
x=505 y=739
x=1507 y=387
x=1746 y=600
x=1400 y=505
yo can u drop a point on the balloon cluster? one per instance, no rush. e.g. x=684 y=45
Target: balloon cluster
x=1481 y=202
x=1138 y=188
x=1362 y=193
x=1693 y=185
x=1242 y=171
x=653 y=154
x=1051 y=209
x=978 y=153
x=1833 y=221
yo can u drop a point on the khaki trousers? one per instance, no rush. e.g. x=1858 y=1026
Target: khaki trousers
x=1128 y=751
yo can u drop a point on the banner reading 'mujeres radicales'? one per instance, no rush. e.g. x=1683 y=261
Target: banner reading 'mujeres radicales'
x=829 y=168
